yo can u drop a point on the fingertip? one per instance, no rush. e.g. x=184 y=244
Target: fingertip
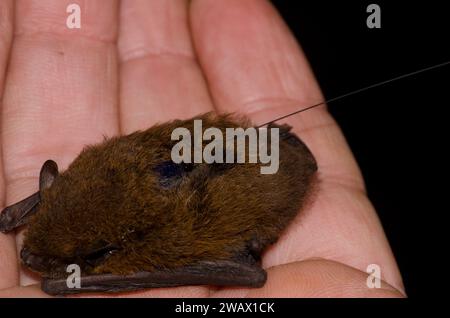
x=321 y=278
x=31 y=291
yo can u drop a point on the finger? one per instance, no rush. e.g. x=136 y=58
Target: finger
x=315 y=279
x=8 y=264
x=61 y=88
x=160 y=77
x=173 y=292
x=254 y=65
x=31 y=291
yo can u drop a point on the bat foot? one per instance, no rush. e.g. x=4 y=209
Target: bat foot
x=255 y=247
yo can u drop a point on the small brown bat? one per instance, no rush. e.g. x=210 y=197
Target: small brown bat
x=131 y=218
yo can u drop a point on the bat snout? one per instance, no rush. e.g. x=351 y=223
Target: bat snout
x=30 y=260
x=34 y=262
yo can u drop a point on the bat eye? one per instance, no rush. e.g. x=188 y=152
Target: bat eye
x=98 y=256
x=170 y=172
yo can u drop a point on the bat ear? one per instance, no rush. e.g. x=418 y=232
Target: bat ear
x=49 y=172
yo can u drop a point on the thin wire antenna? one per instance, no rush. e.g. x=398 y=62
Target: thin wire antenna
x=357 y=91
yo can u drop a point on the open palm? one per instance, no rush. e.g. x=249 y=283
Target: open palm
x=139 y=62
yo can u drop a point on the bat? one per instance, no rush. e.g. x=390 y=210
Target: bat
x=131 y=218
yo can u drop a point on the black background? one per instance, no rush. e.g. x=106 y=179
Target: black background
x=393 y=130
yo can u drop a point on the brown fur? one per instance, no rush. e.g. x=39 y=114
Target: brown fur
x=111 y=194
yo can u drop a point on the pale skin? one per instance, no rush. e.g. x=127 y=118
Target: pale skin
x=139 y=62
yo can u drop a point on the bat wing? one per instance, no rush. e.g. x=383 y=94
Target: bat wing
x=19 y=213
x=222 y=273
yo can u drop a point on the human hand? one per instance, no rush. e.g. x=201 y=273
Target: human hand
x=67 y=88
